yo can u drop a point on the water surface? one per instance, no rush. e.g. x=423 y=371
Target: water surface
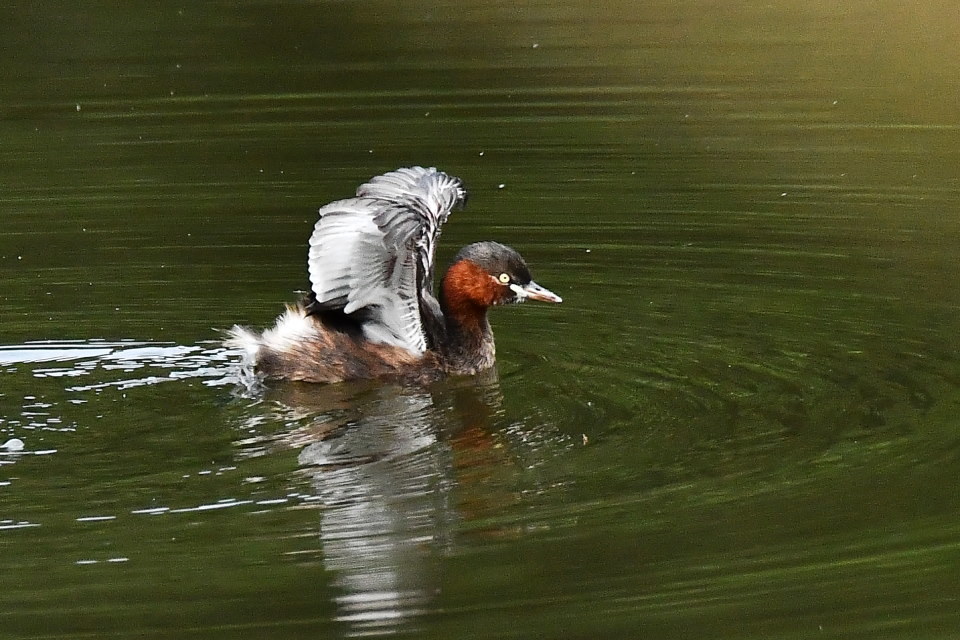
x=741 y=423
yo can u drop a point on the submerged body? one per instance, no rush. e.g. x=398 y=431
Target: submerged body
x=371 y=312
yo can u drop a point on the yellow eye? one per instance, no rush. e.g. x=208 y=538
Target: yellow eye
x=504 y=278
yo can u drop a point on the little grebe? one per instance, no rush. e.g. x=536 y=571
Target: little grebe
x=371 y=311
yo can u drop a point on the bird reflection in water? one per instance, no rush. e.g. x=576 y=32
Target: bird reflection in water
x=388 y=464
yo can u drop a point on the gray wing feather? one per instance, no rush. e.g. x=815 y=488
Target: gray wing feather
x=375 y=252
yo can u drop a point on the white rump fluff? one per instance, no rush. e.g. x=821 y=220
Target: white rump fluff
x=292 y=326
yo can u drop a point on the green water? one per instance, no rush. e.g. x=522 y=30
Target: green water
x=742 y=422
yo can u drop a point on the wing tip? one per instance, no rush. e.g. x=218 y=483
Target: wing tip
x=422 y=183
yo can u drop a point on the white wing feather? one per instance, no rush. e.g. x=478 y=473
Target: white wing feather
x=375 y=252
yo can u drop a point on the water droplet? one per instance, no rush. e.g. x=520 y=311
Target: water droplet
x=13 y=444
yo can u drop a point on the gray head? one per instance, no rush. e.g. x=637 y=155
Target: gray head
x=496 y=258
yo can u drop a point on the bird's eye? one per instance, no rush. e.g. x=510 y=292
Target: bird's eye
x=504 y=278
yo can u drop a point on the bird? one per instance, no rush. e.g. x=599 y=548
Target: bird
x=371 y=312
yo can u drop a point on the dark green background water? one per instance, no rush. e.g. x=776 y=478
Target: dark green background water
x=741 y=423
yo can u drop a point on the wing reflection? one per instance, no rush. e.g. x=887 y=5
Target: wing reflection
x=383 y=464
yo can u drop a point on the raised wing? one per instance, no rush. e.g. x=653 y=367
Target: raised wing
x=375 y=252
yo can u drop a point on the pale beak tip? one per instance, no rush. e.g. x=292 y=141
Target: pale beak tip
x=536 y=292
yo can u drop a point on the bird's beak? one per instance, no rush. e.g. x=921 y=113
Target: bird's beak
x=535 y=292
